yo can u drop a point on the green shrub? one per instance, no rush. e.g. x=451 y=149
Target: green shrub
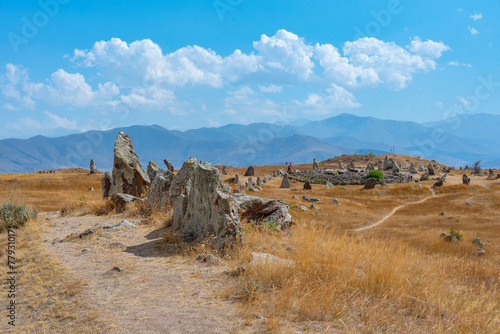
x=378 y=175
x=457 y=234
x=14 y=216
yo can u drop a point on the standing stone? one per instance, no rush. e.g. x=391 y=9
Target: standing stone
x=351 y=165
x=170 y=167
x=128 y=176
x=224 y=171
x=315 y=166
x=106 y=182
x=307 y=185
x=250 y=171
x=290 y=168
x=491 y=175
x=93 y=167
x=259 y=182
x=379 y=165
x=152 y=170
x=370 y=183
x=285 y=183
x=341 y=165
x=203 y=207
x=370 y=167
x=413 y=169
x=159 y=195
x=438 y=183
x=430 y=170
x=466 y=180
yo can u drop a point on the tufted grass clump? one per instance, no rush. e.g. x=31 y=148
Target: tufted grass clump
x=14 y=216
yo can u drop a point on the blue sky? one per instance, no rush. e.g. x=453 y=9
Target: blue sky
x=70 y=66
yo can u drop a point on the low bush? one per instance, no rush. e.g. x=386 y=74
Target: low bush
x=378 y=175
x=14 y=216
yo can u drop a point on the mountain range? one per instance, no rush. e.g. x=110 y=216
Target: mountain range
x=455 y=141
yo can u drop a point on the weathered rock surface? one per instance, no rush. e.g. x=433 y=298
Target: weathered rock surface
x=249 y=172
x=152 y=170
x=167 y=163
x=285 y=183
x=413 y=169
x=121 y=200
x=430 y=170
x=465 y=179
x=263 y=210
x=106 y=182
x=158 y=197
x=128 y=176
x=203 y=207
x=93 y=167
x=370 y=183
x=123 y=224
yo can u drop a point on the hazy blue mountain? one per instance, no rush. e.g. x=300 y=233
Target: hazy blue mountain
x=261 y=143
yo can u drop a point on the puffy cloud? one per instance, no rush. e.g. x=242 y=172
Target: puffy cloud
x=286 y=52
x=71 y=89
x=336 y=97
x=13 y=85
x=428 y=49
x=473 y=31
x=393 y=64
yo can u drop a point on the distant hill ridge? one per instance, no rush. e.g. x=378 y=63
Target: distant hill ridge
x=476 y=138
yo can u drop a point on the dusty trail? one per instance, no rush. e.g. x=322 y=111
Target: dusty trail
x=155 y=290
x=396 y=209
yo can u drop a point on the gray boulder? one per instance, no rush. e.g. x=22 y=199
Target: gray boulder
x=250 y=171
x=203 y=207
x=170 y=167
x=430 y=170
x=259 y=182
x=93 y=167
x=413 y=169
x=158 y=197
x=315 y=165
x=370 y=183
x=465 y=179
x=122 y=200
x=152 y=170
x=106 y=182
x=128 y=176
x=285 y=183
x=263 y=210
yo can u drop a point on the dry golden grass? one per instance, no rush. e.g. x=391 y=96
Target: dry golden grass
x=48 y=297
x=51 y=192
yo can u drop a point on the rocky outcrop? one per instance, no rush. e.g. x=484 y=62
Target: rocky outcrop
x=128 y=176
x=159 y=195
x=285 y=183
x=203 y=207
x=93 y=167
x=264 y=211
x=152 y=169
x=106 y=182
x=167 y=163
x=250 y=171
x=430 y=170
x=370 y=183
x=413 y=169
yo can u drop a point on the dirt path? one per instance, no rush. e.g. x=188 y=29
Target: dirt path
x=155 y=291
x=396 y=209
